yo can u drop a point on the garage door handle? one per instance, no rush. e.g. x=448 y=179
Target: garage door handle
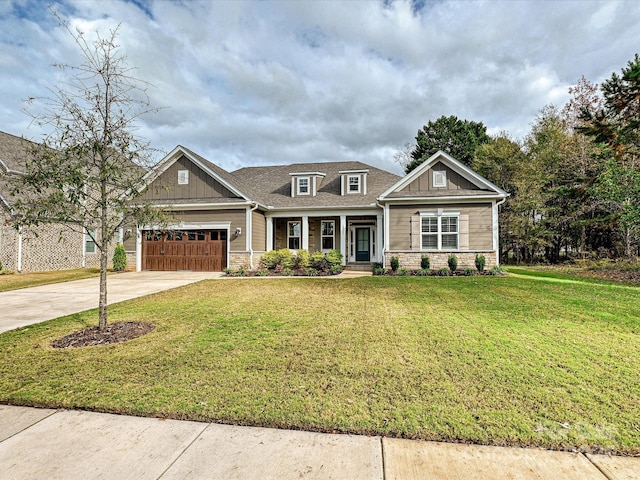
x=161 y=252
x=206 y=253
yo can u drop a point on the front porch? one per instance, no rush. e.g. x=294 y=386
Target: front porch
x=359 y=237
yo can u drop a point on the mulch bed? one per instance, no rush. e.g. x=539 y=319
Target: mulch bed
x=113 y=333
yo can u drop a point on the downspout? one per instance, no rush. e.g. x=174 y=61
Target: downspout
x=250 y=234
x=84 y=249
x=19 y=265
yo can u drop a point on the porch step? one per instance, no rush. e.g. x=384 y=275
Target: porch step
x=359 y=266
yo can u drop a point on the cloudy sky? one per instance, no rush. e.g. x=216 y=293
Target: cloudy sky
x=272 y=82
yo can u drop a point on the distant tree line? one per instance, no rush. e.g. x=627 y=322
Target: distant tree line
x=574 y=179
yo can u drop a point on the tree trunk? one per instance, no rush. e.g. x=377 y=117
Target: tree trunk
x=102 y=305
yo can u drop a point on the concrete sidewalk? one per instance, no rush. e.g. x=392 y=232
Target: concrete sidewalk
x=46 y=302
x=62 y=444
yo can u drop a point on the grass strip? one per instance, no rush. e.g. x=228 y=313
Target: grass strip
x=16 y=281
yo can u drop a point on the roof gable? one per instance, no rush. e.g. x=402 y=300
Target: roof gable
x=461 y=181
x=221 y=177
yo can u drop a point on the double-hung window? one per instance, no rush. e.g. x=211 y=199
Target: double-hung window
x=303 y=186
x=354 y=183
x=440 y=232
x=328 y=234
x=89 y=240
x=293 y=235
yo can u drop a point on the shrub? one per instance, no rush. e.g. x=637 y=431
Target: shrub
x=395 y=263
x=270 y=259
x=227 y=271
x=335 y=269
x=0 y=266
x=262 y=272
x=423 y=272
x=469 y=272
x=301 y=259
x=375 y=266
x=425 y=263
x=286 y=258
x=402 y=272
x=444 y=272
x=379 y=270
x=496 y=270
x=242 y=271
x=452 y=261
x=287 y=272
x=480 y=262
x=277 y=258
x=319 y=261
x=311 y=272
x=334 y=257
x=119 y=258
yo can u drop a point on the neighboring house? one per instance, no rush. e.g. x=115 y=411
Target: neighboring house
x=229 y=219
x=42 y=248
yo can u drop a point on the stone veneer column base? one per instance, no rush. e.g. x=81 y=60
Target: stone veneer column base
x=239 y=259
x=411 y=259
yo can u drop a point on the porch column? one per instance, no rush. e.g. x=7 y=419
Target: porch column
x=304 y=232
x=269 y=233
x=379 y=238
x=343 y=238
x=138 y=249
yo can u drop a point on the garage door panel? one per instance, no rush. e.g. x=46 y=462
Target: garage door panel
x=189 y=250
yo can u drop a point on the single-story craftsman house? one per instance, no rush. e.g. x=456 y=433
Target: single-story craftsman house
x=229 y=219
x=41 y=248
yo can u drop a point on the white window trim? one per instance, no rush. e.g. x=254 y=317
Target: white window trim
x=439 y=178
x=183 y=177
x=332 y=236
x=308 y=192
x=89 y=240
x=439 y=233
x=357 y=177
x=289 y=236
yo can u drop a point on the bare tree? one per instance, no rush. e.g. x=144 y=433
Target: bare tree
x=89 y=168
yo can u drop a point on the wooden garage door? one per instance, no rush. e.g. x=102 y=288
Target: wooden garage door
x=195 y=250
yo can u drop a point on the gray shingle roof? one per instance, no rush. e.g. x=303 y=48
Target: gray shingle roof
x=271 y=185
x=14 y=153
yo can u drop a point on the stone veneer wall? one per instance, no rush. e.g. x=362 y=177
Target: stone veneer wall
x=411 y=259
x=240 y=259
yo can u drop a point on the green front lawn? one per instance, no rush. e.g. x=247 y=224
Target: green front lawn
x=15 y=281
x=490 y=360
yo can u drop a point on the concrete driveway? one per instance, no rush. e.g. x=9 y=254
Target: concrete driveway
x=38 y=304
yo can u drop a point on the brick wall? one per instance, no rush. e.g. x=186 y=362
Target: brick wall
x=8 y=242
x=45 y=248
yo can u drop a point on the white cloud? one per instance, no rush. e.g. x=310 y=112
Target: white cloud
x=271 y=82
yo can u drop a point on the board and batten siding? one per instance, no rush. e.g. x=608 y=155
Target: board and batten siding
x=201 y=185
x=424 y=183
x=479 y=225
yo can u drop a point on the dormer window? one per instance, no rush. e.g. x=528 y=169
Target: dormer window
x=354 y=183
x=303 y=185
x=439 y=178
